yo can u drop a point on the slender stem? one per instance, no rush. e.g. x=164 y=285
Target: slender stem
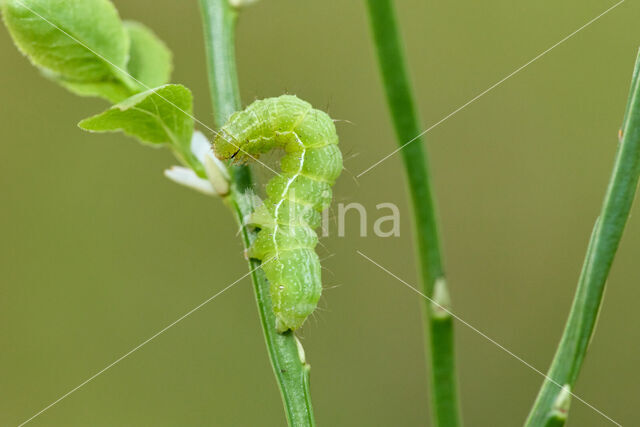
x=437 y=322
x=602 y=248
x=219 y=22
x=290 y=369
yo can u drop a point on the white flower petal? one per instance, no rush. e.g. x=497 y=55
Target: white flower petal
x=188 y=178
x=216 y=170
x=218 y=174
x=200 y=146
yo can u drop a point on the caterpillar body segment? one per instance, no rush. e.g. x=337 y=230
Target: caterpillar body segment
x=295 y=199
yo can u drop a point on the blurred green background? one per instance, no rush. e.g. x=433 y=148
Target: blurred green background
x=98 y=251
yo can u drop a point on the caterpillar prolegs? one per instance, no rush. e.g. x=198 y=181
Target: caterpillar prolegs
x=295 y=198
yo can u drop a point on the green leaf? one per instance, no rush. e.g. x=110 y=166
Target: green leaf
x=112 y=90
x=149 y=58
x=79 y=40
x=150 y=65
x=158 y=116
x=155 y=116
x=81 y=44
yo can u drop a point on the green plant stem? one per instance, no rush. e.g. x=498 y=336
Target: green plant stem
x=602 y=248
x=438 y=323
x=292 y=373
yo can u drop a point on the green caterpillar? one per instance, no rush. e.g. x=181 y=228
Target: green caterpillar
x=295 y=199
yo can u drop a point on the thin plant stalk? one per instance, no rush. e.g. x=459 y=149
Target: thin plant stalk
x=604 y=243
x=286 y=354
x=438 y=323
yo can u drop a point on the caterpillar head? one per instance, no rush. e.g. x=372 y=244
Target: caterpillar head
x=227 y=147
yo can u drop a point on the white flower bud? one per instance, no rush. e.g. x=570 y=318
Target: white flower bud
x=215 y=169
x=188 y=178
x=200 y=146
x=217 y=173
